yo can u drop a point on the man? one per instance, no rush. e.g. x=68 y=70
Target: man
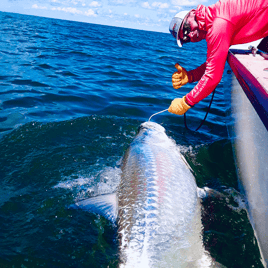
x=225 y=23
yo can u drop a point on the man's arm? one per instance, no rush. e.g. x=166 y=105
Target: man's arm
x=197 y=73
x=218 y=41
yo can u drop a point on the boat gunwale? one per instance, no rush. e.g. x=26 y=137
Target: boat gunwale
x=255 y=92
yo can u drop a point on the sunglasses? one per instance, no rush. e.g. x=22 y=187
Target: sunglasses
x=186 y=29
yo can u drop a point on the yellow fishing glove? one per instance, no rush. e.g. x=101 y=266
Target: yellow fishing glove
x=180 y=77
x=179 y=106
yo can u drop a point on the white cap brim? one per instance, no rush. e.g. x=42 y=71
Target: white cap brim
x=179 y=43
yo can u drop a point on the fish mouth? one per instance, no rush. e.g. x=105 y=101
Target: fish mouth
x=152 y=126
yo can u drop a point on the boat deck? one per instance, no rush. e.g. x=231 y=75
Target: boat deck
x=257 y=66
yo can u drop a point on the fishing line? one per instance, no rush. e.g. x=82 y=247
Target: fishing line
x=157 y=113
x=203 y=121
x=185 y=123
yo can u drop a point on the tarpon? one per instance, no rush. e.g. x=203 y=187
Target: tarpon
x=156 y=206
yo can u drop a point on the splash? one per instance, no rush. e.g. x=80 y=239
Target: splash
x=104 y=182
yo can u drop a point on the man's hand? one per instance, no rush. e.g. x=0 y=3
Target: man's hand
x=180 y=77
x=179 y=106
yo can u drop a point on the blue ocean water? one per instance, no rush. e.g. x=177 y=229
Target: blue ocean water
x=72 y=96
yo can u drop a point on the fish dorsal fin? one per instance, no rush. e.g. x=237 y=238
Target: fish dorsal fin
x=205 y=192
x=231 y=197
x=104 y=205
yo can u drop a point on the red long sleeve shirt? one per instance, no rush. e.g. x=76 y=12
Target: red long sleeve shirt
x=228 y=22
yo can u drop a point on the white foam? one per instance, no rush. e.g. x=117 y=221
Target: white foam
x=104 y=182
x=72 y=183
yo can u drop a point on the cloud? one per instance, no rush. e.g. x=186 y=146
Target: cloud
x=174 y=10
x=71 y=10
x=95 y=4
x=164 y=20
x=160 y=5
x=121 y=2
x=179 y=3
x=59 y=2
x=90 y=13
x=68 y=3
x=38 y=7
x=67 y=10
x=146 y=5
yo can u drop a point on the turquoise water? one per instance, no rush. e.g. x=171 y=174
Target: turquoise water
x=72 y=96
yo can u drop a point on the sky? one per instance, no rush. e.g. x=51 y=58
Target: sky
x=137 y=14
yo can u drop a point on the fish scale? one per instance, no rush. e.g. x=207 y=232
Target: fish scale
x=164 y=229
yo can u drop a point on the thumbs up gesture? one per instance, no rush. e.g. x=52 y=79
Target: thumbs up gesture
x=180 y=77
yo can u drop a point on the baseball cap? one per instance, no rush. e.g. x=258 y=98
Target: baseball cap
x=175 y=25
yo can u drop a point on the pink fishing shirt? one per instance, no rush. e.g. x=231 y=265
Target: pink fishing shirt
x=228 y=22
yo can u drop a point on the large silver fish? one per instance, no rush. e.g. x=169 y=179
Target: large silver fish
x=156 y=207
